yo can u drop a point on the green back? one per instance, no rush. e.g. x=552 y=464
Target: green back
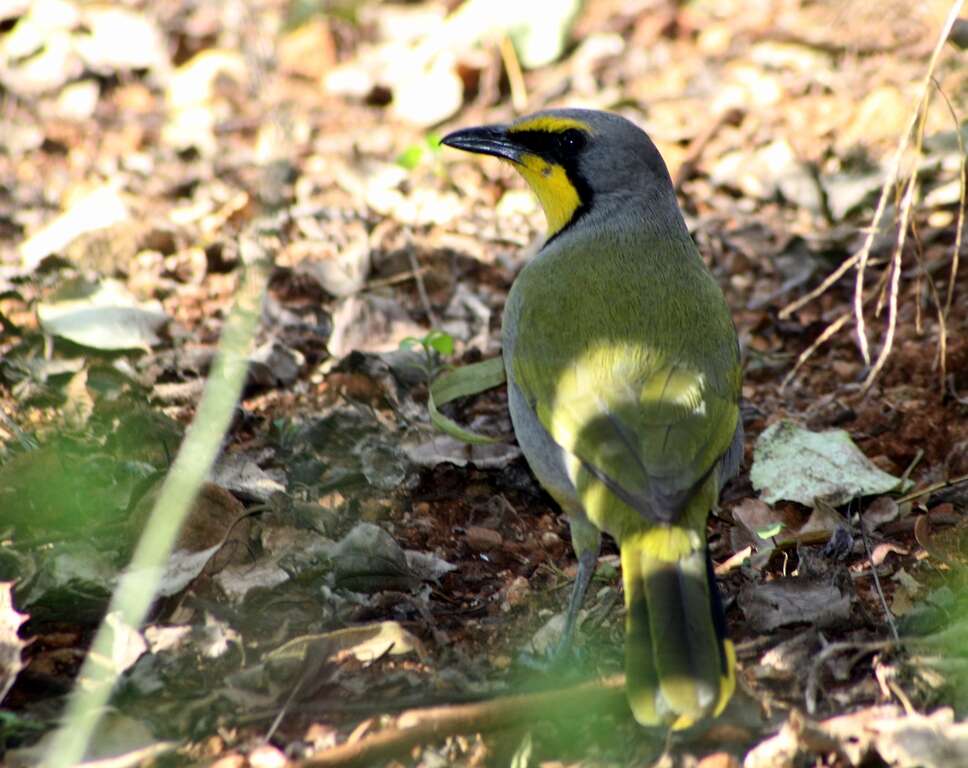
x=628 y=355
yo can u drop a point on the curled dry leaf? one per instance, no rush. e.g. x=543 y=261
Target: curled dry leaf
x=880 y=511
x=364 y=643
x=215 y=533
x=765 y=526
x=95 y=209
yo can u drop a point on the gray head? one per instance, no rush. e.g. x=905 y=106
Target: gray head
x=581 y=162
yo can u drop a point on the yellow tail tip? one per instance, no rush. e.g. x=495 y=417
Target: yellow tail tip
x=728 y=685
x=649 y=707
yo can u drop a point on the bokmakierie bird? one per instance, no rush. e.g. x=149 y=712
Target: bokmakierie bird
x=624 y=379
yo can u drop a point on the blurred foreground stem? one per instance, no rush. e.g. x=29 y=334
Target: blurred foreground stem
x=137 y=586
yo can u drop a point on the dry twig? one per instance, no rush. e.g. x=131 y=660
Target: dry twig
x=519 y=91
x=860 y=259
x=830 y=650
x=420 y=726
x=877 y=579
x=959 y=236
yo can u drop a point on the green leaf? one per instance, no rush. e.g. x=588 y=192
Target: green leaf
x=441 y=341
x=417 y=153
x=461 y=382
x=769 y=531
x=410 y=157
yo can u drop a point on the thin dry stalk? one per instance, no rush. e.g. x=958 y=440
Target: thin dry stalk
x=821 y=289
x=831 y=330
x=828 y=332
x=919 y=114
x=519 y=91
x=860 y=259
x=923 y=274
x=877 y=579
x=895 y=286
x=942 y=360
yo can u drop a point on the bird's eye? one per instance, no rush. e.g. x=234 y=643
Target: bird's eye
x=571 y=140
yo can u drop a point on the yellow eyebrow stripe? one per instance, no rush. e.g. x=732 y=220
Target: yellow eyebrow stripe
x=550 y=124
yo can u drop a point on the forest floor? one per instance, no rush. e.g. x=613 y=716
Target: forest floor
x=361 y=587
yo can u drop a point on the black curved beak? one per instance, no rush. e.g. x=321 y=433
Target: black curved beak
x=486 y=140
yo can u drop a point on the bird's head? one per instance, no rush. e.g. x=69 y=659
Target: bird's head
x=575 y=160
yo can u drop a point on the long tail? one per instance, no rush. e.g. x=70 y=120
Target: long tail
x=679 y=667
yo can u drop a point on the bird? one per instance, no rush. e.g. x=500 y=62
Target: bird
x=624 y=376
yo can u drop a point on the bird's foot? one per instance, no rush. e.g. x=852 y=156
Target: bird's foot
x=553 y=650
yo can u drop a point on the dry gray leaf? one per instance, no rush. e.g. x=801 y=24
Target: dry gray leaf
x=100 y=208
x=441 y=448
x=368 y=559
x=239 y=474
x=793 y=463
x=789 y=601
x=102 y=316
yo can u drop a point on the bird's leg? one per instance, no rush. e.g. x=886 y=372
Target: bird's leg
x=586 y=541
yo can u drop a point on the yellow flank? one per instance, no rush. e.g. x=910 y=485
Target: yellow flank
x=550 y=124
x=555 y=192
x=666 y=543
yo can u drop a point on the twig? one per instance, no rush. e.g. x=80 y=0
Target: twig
x=959 y=234
x=906 y=474
x=831 y=330
x=877 y=579
x=929 y=489
x=909 y=709
x=401 y=277
x=923 y=274
x=419 y=726
x=861 y=258
x=831 y=649
x=828 y=332
x=895 y=285
x=919 y=114
x=821 y=289
x=277 y=720
x=417 y=273
x=519 y=91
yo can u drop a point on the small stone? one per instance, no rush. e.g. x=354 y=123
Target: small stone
x=483 y=539
x=231 y=760
x=550 y=539
x=373 y=510
x=267 y=756
x=719 y=760
x=518 y=591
